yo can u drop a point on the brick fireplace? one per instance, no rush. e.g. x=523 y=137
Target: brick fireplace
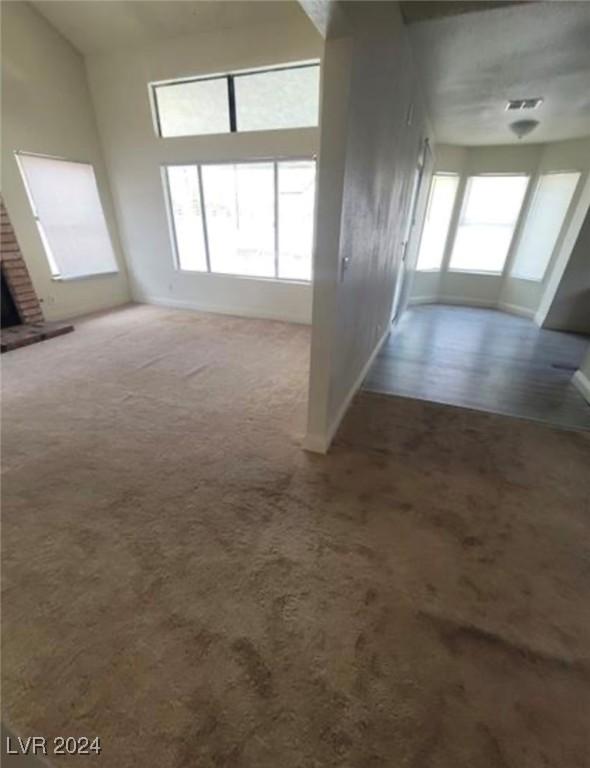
x=22 y=316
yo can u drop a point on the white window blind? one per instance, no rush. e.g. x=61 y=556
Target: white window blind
x=67 y=208
x=490 y=212
x=545 y=219
x=438 y=218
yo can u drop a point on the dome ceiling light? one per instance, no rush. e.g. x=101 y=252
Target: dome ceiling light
x=522 y=128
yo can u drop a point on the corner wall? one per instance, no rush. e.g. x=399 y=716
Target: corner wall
x=581 y=378
x=46 y=109
x=368 y=157
x=570 y=306
x=119 y=83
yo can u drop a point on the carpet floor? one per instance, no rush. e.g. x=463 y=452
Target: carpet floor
x=184 y=582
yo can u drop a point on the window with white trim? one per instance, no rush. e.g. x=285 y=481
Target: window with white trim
x=249 y=100
x=252 y=219
x=66 y=205
x=551 y=202
x=491 y=208
x=441 y=201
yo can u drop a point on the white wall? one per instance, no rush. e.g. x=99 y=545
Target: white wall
x=570 y=307
x=134 y=153
x=566 y=291
x=508 y=293
x=46 y=108
x=367 y=159
x=582 y=378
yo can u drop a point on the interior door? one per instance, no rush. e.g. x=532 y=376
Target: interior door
x=402 y=287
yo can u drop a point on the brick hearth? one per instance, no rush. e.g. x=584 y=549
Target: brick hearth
x=33 y=327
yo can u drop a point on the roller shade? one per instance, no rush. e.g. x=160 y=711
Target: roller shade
x=67 y=207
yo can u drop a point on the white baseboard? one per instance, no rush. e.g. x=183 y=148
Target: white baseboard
x=423 y=300
x=514 y=309
x=461 y=301
x=315 y=443
x=582 y=384
x=286 y=317
x=321 y=443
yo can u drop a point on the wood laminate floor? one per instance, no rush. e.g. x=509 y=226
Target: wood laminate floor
x=485 y=360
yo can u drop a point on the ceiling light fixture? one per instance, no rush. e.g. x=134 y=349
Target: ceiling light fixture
x=523 y=127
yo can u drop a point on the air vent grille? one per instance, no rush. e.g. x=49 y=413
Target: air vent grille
x=520 y=104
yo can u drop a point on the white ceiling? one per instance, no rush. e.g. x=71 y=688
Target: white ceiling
x=101 y=25
x=472 y=64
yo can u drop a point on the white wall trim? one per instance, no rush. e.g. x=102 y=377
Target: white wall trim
x=236 y=311
x=465 y=301
x=514 y=309
x=317 y=443
x=503 y=306
x=582 y=384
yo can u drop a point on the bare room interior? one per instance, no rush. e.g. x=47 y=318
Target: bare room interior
x=295 y=383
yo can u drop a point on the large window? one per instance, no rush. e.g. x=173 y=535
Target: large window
x=296 y=197
x=261 y=100
x=185 y=196
x=550 y=205
x=66 y=206
x=438 y=217
x=239 y=209
x=486 y=226
x=252 y=219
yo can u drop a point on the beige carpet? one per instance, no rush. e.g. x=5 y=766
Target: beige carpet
x=180 y=579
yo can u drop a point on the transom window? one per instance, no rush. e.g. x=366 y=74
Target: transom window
x=260 y=100
x=249 y=219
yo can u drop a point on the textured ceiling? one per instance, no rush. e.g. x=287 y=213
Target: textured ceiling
x=101 y=25
x=472 y=64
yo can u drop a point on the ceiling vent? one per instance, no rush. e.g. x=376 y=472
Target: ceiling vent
x=517 y=105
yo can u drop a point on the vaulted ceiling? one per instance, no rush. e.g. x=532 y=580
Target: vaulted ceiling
x=100 y=25
x=473 y=56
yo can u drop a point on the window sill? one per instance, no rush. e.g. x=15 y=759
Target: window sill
x=477 y=272
x=66 y=279
x=537 y=280
x=257 y=278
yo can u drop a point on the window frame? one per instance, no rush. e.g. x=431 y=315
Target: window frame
x=566 y=217
x=257 y=160
x=230 y=77
x=464 y=192
x=51 y=261
x=445 y=174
